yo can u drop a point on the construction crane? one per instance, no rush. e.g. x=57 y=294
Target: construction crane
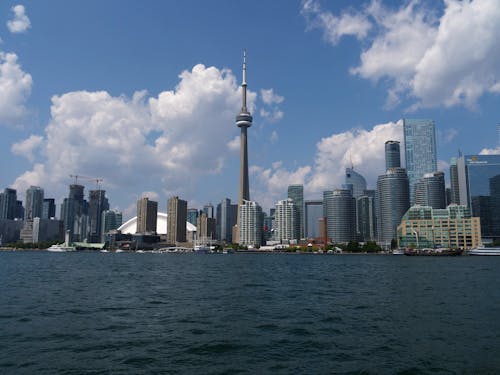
x=96 y=179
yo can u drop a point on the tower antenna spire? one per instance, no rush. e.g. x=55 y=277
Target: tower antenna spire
x=244 y=84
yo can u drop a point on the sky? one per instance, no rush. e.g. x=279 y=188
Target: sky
x=144 y=94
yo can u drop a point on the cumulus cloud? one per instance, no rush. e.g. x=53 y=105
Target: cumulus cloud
x=172 y=140
x=335 y=27
x=15 y=88
x=271 y=100
x=433 y=60
x=490 y=151
x=270 y=97
x=27 y=147
x=365 y=148
x=20 y=23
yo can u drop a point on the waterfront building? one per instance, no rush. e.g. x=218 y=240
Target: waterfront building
x=452 y=227
x=10 y=230
x=74 y=213
x=19 y=214
x=287 y=221
x=393 y=200
x=479 y=190
x=110 y=220
x=176 y=220
x=313 y=213
x=342 y=216
x=454 y=185
x=147 y=212
x=430 y=190
x=192 y=215
x=205 y=228
x=34 y=203
x=227 y=217
x=8 y=204
x=392 y=155
x=296 y=194
x=47 y=230
x=366 y=219
x=356 y=181
x=250 y=228
x=420 y=150
x=267 y=227
x=98 y=203
x=48 y=208
x=243 y=121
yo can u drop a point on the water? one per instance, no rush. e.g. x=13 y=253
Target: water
x=88 y=313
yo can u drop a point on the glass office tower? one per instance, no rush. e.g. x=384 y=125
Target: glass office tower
x=420 y=150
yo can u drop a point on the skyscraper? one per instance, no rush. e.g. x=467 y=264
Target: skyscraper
x=110 y=220
x=313 y=212
x=205 y=228
x=49 y=208
x=74 y=213
x=147 y=215
x=356 y=180
x=192 y=215
x=8 y=204
x=176 y=220
x=98 y=203
x=286 y=221
x=227 y=214
x=296 y=194
x=430 y=190
x=393 y=200
x=392 y=155
x=34 y=203
x=365 y=215
x=420 y=150
x=454 y=187
x=209 y=210
x=342 y=217
x=243 y=121
x=250 y=224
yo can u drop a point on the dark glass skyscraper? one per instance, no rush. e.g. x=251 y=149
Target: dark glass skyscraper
x=356 y=181
x=420 y=150
x=296 y=194
x=430 y=190
x=454 y=186
x=98 y=203
x=392 y=155
x=8 y=204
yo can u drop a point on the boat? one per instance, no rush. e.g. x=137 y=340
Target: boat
x=61 y=248
x=483 y=250
x=398 y=252
x=433 y=252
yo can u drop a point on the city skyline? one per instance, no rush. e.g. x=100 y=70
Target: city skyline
x=76 y=105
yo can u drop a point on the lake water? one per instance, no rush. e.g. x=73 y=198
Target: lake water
x=126 y=313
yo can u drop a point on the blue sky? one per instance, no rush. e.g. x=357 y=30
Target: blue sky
x=144 y=93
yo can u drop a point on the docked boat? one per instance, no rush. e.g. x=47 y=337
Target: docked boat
x=398 y=252
x=61 y=248
x=433 y=252
x=483 y=250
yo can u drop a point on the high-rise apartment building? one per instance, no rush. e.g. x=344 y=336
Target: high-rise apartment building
x=208 y=209
x=176 y=220
x=192 y=215
x=430 y=190
x=392 y=155
x=147 y=215
x=110 y=220
x=296 y=194
x=205 y=228
x=287 y=223
x=420 y=150
x=250 y=228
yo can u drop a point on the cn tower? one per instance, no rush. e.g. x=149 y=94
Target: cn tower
x=244 y=121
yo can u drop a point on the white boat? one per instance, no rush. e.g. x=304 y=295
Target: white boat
x=398 y=252
x=61 y=248
x=483 y=250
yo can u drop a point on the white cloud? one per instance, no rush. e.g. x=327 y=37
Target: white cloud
x=436 y=60
x=269 y=97
x=490 y=151
x=234 y=144
x=15 y=87
x=273 y=115
x=335 y=27
x=20 y=23
x=167 y=143
x=364 y=148
x=27 y=147
x=449 y=134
